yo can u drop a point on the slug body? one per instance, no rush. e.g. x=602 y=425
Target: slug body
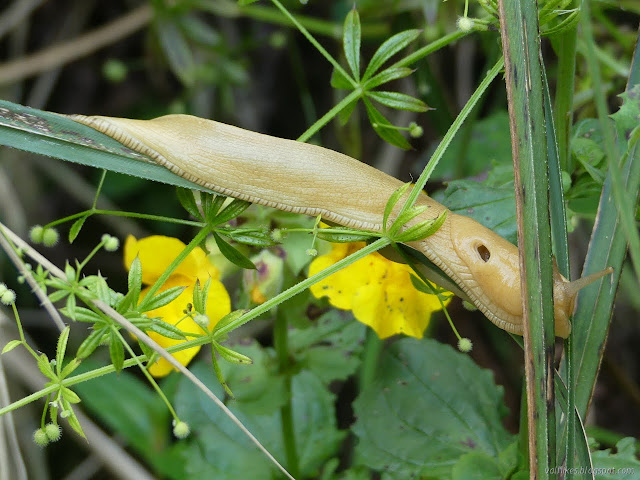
x=312 y=180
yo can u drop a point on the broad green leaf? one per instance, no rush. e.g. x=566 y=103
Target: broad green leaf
x=623 y=464
x=489 y=143
x=479 y=466
x=490 y=204
x=351 y=41
x=232 y=254
x=384 y=128
x=129 y=407
x=418 y=418
x=331 y=348
x=216 y=438
x=387 y=76
x=60 y=137
x=399 y=101
x=389 y=48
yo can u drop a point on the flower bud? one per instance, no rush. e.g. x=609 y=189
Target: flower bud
x=181 y=429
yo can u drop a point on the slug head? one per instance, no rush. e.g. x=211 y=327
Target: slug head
x=494 y=266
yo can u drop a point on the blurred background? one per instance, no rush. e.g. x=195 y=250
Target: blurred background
x=246 y=66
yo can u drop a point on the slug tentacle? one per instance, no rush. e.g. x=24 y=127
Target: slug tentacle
x=302 y=178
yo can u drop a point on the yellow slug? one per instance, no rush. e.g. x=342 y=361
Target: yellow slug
x=302 y=178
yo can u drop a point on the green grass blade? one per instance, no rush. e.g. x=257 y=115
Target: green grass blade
x=57 y=136
x=523 y=71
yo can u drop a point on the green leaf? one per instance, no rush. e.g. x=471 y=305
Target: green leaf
x=253 y=237
x=347 y=236
x=345 y=114
x=88 y=316
x=61 y=348
x=339 y=81
x=167 y=330
x=228 y=322
x=70 y=368
x=399 y=101
x=76 y=227
x=93 y=341
x=160 y=299
x=75 y=424
x=405 y=217
x=116 y=351
x=479 y=466
x=331 y=348
x=422 y=230
x=200 y=296
x=235 y=208
x=134 y=280
x=58 y=136
x=176 y=49
x=315 y=432
x=391 y=203
x=384 y=128
x=10 y=346
x=387 y=76
x=351 y=42
x=126 y=405
x=232 y=254
x=45 y=367
x=103 y=291
x=69 y=395
x=188 y=202
x=232 y=356
x=211 y=205
x=621 y=465
x=418 y=418
x=490 y=203
x=388 y=49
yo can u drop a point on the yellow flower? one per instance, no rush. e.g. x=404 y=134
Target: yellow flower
x=377 y=290
x=155 y=254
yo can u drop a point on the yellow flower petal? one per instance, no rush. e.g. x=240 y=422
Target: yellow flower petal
x=379 y=292
x=342 y=285
x=157 y=252
x=218 y=305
